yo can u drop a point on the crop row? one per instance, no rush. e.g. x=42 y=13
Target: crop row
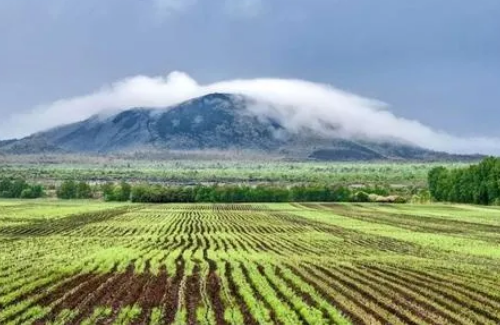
x=229 y=264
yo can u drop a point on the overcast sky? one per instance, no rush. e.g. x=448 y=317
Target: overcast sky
x=437 y=61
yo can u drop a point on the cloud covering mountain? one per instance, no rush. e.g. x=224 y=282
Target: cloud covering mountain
x=297 y=105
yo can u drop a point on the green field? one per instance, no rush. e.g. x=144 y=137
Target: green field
x=224 y=171
x=90 y=262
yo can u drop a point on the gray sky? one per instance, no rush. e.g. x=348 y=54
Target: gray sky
x=437 y=61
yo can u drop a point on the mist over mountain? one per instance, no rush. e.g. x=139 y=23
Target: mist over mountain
x=215 y=121
x=297 y=105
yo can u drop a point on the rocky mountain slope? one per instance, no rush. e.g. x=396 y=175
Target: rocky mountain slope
x=215 y=121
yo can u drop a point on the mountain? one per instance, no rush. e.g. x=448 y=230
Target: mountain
x=215 y=121
x=29 y=145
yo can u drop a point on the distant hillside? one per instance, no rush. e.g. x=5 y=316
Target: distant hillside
x=215 y=121
x=29 y=145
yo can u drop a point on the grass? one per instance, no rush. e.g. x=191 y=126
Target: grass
x=92 y=262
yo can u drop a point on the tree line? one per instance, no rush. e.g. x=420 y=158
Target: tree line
x=20 y=189
x=147 y=193
x=477 y=184
x=155 y=193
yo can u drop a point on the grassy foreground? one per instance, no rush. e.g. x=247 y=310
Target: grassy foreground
x=100 y=263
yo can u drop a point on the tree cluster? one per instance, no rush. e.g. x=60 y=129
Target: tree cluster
x=477 y=184
x=120 y=192
x=20 y=189
x=74 y=190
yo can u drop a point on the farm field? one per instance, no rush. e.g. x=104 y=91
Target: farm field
x=100 y=263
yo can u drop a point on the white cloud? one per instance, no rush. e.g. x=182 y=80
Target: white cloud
x=297 y=104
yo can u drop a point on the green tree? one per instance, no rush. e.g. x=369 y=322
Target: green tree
x=108 y=191
x=126 y=191
x=67 y=190
x=121 y=192
x=18 y=186
x=6 y=188
x=84 y=191
x=479 y=184
x=32 y=192
x=438 y=183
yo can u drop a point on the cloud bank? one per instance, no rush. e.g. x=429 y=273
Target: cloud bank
x=297 y=104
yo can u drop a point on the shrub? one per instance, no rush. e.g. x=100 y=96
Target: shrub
x=361 y=197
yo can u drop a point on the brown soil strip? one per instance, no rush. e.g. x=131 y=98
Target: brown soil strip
x=118 y=290
x=192 y=295
x=79 y=283
x=87 y=302
x=42 y=292
x=42 y=288
x=247 y=315
x=135 y=290
x=214 y=291
x=152 y=295
x=171 y=297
